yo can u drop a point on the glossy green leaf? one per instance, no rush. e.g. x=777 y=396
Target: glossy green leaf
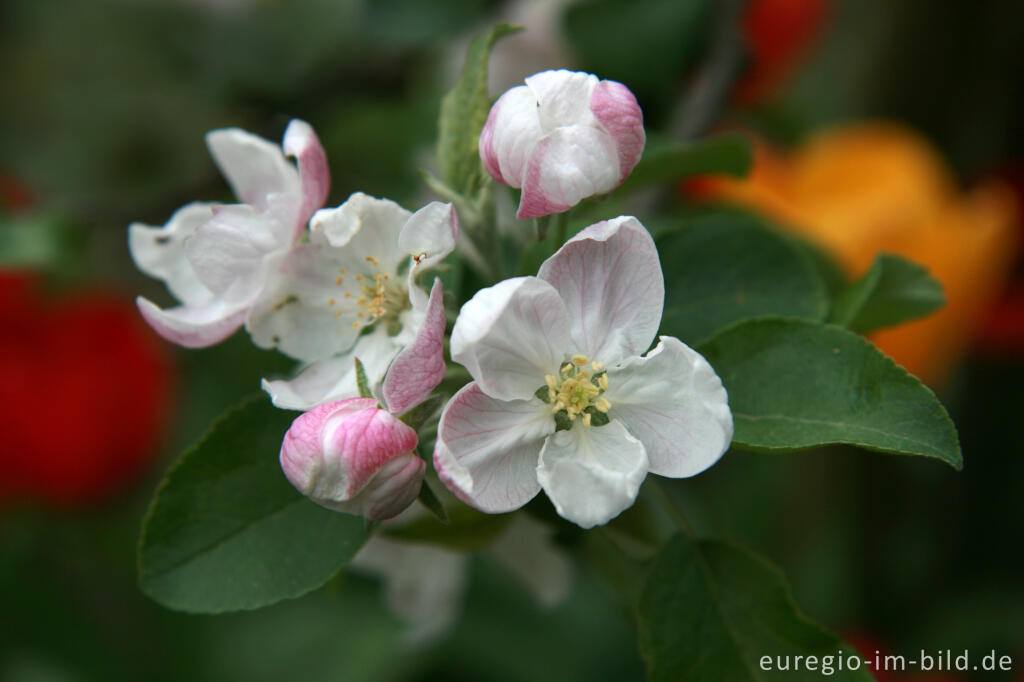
x=724 y=267
x=892 y=291
x=710 y=611
x=227 y=531
x=463 y=113
x=795 y=384
x=725 y=154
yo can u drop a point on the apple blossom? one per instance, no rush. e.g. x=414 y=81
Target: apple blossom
x=218 y=259
x=351 y=292
x=562 y=397
x=354 y=457
x=562 y=137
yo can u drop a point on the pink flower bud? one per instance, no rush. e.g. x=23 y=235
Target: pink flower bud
x=353 y=457
x=562 y=137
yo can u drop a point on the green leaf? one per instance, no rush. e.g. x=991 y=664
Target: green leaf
x=468 y=530
x=725 y=267
x=726 y=154
x=361 y=382
x=429 y=500
x=227 y=531
x=463 y=113
x=795 y=384
x=710 y=611
x=892 y=291
x=415 y=417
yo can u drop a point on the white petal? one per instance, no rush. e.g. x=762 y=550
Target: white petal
x=672 y=401
x=334 y=378
x=568 y=165
x=563 y=97
x=192 y=326
x=592 y=474
x=160 y=252
x=510 y=336
x=527 y=551
x=509 y=135
x=367 y=226
x=254 y=167
x=610 y=279
x=229 y=252
x=423 y=585
x=486 y=451
x=430 y=234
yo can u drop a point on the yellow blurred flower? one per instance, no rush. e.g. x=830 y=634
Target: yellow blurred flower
x=869 y=188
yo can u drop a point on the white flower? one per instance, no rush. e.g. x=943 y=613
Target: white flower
x=217 y=260
x=562 y=137
x=563 y=398
x=349 y=292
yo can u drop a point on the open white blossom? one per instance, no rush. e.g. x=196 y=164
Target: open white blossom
x=351 y=291
x=564 y=398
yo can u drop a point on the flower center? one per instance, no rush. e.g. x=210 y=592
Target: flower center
x=577 y=392
x=378 y=297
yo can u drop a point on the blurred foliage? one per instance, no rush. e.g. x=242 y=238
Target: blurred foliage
x=105 y=107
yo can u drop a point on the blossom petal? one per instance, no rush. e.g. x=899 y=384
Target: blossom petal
x=228 y=251
x=563 y=98
x=430 y=234
x=617 y=110
x=367 y=226
x=509 y=135
x=334 y=378
x=419 y=368
x=568 y=165
x=192 y=326
x=592 y=474
x=254 y=167
x=610 y=279
x=527 y=551
x=672 y=401
x=511 y=335
x=160 y=251
x=486 y=451
x=302 y=143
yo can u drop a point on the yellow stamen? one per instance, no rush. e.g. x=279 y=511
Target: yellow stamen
x=579 y=360
x=602 y=381
x=355 y=325
x=337 y=281
x=597 y=366
x=575 y=391
x=372 y=260
x=330 y=301
x=602 y=405
x=586 y=419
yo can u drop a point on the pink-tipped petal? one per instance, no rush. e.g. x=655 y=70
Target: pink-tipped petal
x=192 y=327
x=511 y=335
x=487 y=449
x=254 y=167
x=512 y=130
x=353 y=457
x=302 y=143
x=568 y=165
x=419 y=368
x=618 y=111
x=675 y=404
x=610 y=278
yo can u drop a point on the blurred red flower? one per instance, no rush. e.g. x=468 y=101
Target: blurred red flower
x=85 y=393
x=778 y=33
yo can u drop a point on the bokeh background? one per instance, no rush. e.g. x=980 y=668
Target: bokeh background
x=881 y=125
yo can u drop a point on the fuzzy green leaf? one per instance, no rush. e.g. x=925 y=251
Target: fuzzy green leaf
x=710 y=611
x=463 y=113
x=226 y=530
x=892 y=291
x=725 y=154
x=795 y=384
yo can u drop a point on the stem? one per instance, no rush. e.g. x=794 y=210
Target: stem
x=561 y=228
x=673 y=509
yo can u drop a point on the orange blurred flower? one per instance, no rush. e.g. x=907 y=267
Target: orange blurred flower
x=876 y=187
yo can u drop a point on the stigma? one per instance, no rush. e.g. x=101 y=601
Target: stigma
x=578 y=391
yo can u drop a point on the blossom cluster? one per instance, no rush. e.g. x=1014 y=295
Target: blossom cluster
x=567 y=394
